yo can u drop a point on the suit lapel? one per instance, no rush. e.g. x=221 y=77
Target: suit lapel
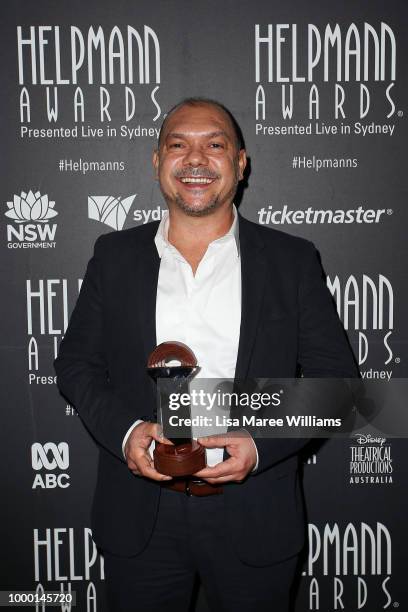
x=148 y=262
x=253 y=274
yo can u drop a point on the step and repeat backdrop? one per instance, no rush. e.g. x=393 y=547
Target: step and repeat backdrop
x=320 y=91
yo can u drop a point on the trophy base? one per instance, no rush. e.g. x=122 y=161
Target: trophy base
x=179 y=460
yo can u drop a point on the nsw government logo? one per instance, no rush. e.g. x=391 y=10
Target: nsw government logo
x=50 y=457
x=31 y=213
x=110 y=210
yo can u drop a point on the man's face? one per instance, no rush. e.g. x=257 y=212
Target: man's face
x=198 y=163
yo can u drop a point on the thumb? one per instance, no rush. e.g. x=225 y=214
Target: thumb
x=157 y=434
x=213 y=441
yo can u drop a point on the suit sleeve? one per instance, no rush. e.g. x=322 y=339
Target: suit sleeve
x=81 y=367
x=323 y=350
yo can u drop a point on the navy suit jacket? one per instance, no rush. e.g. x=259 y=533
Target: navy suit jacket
x=288 y=322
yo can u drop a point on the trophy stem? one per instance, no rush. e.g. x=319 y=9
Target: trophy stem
x=186 y=456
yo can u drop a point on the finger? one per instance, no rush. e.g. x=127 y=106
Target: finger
x=131 y=464
x=224 y=468
x=224 y=479
x=145 y=466
x=213 y=441
x=138 y=454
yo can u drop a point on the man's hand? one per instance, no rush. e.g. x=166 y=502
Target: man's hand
x=240 y=446
x=137 y=450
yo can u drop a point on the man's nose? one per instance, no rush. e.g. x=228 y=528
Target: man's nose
x=196 y=156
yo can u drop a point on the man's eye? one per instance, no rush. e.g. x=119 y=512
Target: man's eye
x=175 y=145
x=216 y=145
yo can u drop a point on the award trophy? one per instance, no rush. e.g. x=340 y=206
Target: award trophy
x=186 y=456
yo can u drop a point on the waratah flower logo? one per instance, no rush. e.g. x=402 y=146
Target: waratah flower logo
x=110 y=210
x=31 y=207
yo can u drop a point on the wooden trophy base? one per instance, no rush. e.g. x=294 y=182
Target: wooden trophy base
x=179 y=460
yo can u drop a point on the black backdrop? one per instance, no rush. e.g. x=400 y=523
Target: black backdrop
x=328 y=166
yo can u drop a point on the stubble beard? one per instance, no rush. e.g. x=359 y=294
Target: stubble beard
x=214 y=204
x=192 y=211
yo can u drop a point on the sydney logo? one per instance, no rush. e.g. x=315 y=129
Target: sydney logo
x=110 y=210
x=31 y=213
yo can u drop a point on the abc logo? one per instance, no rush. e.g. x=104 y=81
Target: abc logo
x=50 y=456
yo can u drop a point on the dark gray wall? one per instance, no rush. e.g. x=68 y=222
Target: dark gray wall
x=209 y=49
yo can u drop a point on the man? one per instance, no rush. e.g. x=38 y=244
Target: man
x=250 y=302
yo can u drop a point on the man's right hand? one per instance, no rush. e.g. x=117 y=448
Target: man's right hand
x=137 y=453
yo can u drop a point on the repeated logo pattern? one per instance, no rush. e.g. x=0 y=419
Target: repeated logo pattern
x=110 y=210
x=50 y=455
x=31 y=207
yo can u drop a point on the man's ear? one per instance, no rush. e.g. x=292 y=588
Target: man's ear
x=242 y=162
x=156 y=163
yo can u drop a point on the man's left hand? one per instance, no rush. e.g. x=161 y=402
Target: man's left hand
x=240 y=446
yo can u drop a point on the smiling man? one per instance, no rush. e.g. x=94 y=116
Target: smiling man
x=251 y=303
x=200 y=160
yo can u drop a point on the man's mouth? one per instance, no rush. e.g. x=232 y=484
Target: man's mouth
x=190 y=180
x=197 y=183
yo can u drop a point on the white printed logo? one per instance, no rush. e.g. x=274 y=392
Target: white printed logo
x=315 y=216
x=370 y=460
x=31 y=212
x=31 y=207
x=338 y=552
x=49 y=456
x=110 y=210
x=366 y=306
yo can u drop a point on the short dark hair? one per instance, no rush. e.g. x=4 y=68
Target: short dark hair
x=204 y=102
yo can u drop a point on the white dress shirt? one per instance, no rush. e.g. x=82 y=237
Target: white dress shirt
x=203 y=310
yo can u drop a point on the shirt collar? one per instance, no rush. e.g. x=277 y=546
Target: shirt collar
x=162 y=242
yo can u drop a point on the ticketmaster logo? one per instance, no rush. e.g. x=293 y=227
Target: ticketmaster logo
x=110 y=210
x=314 y=216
